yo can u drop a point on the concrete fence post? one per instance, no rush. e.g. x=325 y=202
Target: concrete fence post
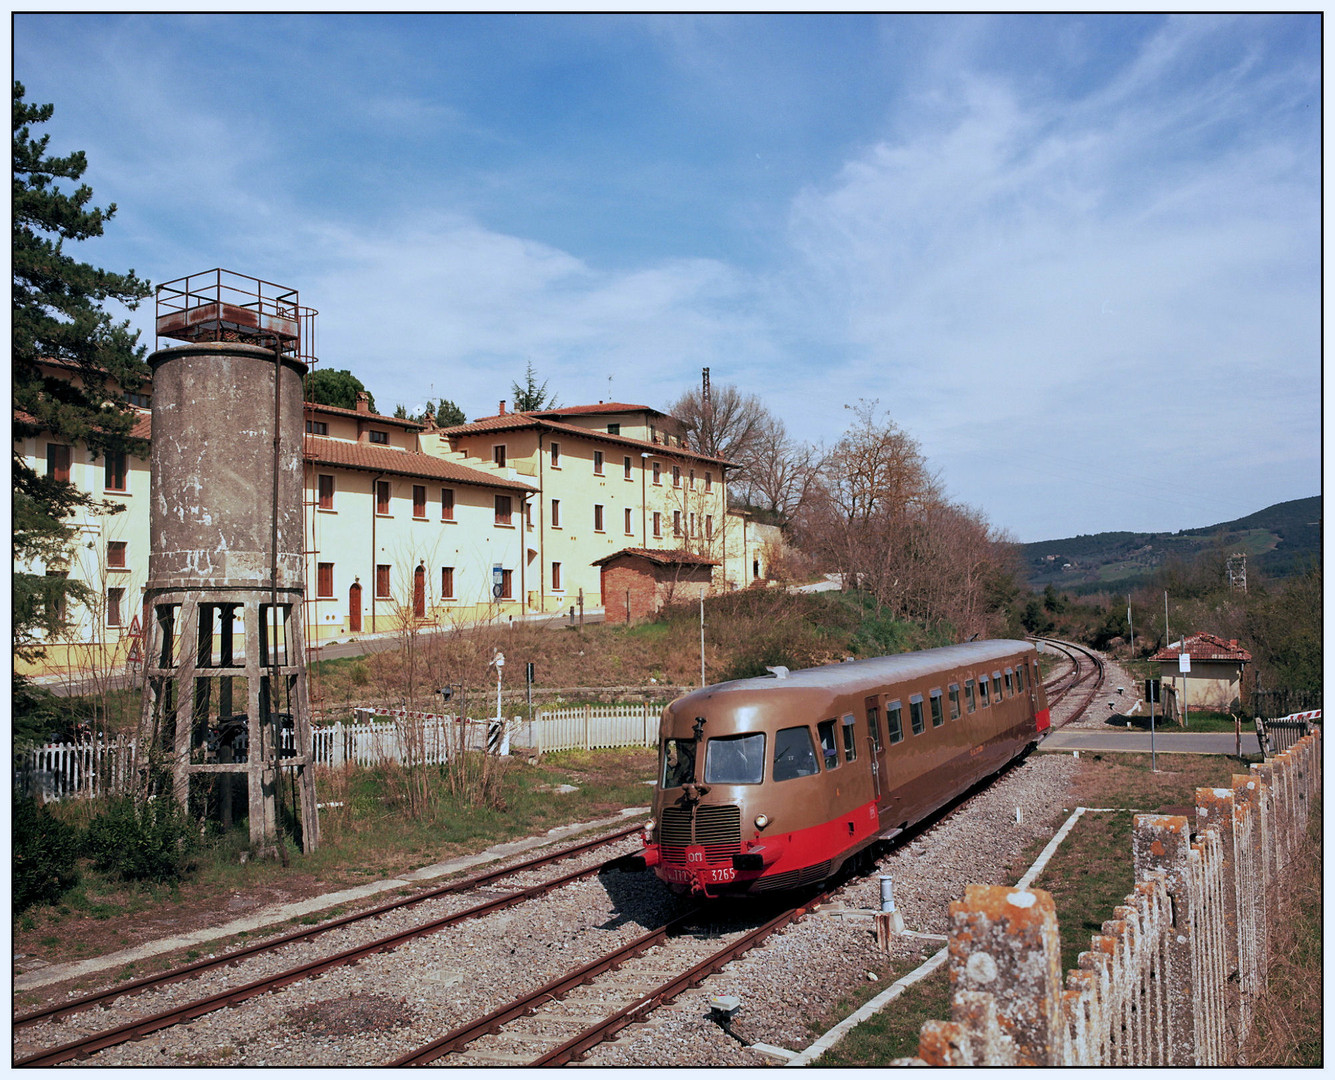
x=1215 y=810
x=1004 y=942
x=1161 y=846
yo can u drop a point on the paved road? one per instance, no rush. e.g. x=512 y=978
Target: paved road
x=1138 y=742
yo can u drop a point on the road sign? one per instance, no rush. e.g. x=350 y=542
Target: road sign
x=1184 y=663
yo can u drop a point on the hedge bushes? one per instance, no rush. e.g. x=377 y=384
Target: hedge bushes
x=46 y=851
x=141 y=841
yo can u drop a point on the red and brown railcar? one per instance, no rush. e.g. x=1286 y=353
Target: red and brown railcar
x=776 y=782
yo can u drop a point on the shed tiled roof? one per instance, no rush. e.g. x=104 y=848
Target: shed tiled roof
x=368 y=458
x=661 y=558
x=1204 y=646
x=519 y=421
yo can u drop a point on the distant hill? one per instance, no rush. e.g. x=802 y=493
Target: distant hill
x=1279 y=540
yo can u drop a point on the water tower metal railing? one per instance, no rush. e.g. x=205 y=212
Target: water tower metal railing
x=225 y=692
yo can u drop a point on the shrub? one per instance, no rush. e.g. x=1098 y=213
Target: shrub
x=148 y=841
x=45 y=853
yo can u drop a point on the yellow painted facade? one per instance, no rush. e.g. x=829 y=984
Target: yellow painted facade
x=407 y=526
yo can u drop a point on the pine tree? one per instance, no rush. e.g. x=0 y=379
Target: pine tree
x=531 y=397
x=58 y=318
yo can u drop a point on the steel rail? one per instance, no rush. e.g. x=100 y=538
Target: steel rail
x=150 y=982
x=560 y=987
x=636 y=1012
x=147 y=1025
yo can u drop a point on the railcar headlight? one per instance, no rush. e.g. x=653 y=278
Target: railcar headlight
x=649 y=827
x=762 y=820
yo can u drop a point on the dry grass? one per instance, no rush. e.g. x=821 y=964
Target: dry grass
x=1287 y=1022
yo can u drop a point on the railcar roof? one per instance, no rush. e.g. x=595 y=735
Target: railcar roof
x=882 y=669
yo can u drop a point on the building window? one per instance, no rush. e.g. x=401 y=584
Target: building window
x=709 y=481
x=447 y=583
x=507 y=584
x=381 y=437
x=447 y=504
x=326 y=490
x=692 y=527
x=498 y=455
x=116 y=554
x=658 y=523
x=614 y=429
x=658 y=473
x=597 y=463
x=419 y=500
x=556 y=513
x=709 y=526
x=597 y=517
x=676 y=476
x=317 y=427
x=528 y=516
x=57 y=462
x=141 y=401
x=556 y=576
x=556 y=455
x=676 y=522
x=324 y=579
x=382 y=580
x=115 y=597
x=629 y=527
x=382 y=497
x=692 y=481
x=625 y=468
x=113 y=472
x=503 y=510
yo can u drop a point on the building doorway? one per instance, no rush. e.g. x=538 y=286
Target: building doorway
x=419 y=593
x=355 y=608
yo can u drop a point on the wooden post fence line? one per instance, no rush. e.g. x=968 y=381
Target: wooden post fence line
x=1174 y=977
x=97 y=768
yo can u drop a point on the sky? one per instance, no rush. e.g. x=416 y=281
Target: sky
x=1077 y=258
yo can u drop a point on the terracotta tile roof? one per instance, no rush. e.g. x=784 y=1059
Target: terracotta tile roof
x=596 y=410
x=661 y=558
x=141 y=429
x=394 y=421
x=370 y=458
x=1204 y=646
x=518 y=421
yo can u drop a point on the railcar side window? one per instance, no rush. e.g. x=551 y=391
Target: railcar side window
x=850 y=743
x=1010 y=685
x=915 y=714
x=968 y=695
x=996 y=685
x=874 y=726
x=938 y=715
x=735 y=759
x=954 y=701
x=1019 y=678
x=829 y=748
x=678 y=762
x=893 y=722
x=983 y=702
x=794 y=754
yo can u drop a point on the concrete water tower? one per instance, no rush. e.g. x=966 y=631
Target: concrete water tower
x=226 y=705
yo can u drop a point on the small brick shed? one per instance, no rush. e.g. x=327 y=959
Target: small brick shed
x=1216 y=670
x=636 y=582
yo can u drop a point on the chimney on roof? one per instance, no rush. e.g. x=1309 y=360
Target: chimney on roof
x=502 y=408
x=363 y=401
x=1232 y=643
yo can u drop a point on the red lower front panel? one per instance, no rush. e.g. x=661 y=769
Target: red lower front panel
x=1044 y=719
x=786 y=855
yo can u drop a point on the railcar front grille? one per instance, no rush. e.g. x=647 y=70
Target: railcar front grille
x=793 y=879
x=718 y=829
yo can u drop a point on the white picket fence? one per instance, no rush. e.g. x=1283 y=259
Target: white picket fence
x=100 y=767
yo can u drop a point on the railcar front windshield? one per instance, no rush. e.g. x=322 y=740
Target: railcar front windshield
x=735 y=759
x=678 y=762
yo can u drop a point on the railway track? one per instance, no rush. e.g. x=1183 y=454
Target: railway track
x=1087 y=671
x=599 y=999
x=140 y=1027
